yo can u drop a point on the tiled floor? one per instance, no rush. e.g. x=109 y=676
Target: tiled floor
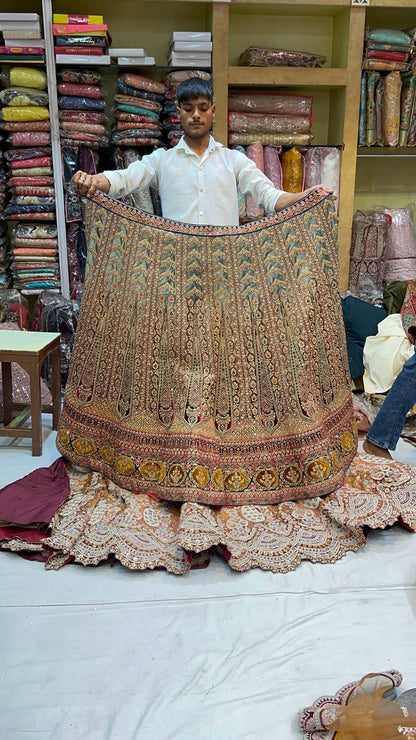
x=103 y=653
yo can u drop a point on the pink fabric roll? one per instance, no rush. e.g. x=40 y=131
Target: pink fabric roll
x=30 y=138
x=273 y=165
x=254 y=152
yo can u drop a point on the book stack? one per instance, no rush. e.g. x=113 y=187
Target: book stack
x=190 y=49
x=21 y=38
x=80 y=39
x=127 y=57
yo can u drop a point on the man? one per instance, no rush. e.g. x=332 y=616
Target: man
x=197 y=179
x=386 y=428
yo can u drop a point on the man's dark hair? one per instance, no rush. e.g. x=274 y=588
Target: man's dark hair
x=194 y=88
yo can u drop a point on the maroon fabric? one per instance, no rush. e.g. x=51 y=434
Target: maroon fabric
x=36 y=497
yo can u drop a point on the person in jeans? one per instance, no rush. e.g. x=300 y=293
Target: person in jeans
x=386 y=428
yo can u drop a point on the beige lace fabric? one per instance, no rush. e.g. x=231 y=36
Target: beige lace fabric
x=100 y=520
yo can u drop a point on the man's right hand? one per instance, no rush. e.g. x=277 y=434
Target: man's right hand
x=85 y=184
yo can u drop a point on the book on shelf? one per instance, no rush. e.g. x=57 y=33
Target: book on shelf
x=139 y=61
x=39 y=43
x=191 y=46
x=94 y=51
x=191 y=35
x=76 y=18
x=21 y=33
x=126 y=52
x=12 y=50
x=81 y=59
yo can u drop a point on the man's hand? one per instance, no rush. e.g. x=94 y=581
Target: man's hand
x=85 y=184
x=287 y=199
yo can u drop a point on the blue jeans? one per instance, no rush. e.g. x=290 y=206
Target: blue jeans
x=388 y=424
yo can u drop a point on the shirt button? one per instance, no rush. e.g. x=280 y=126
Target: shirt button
x=201 y=213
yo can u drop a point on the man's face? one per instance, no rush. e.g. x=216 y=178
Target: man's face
x=196 y=117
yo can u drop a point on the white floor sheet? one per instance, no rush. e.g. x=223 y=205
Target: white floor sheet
x=106 y=653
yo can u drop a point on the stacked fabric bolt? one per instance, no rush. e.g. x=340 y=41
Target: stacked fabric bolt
x=387 y=109
x=81 y=108
x=25 y=120
x=138 y=102
x=35 y=256
x=387 y=49
x=4 y=252
x=269 y=119
x=171 y=125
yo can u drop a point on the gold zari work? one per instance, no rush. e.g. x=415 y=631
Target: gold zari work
x=210 y=362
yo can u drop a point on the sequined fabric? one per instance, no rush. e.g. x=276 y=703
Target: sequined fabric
x=210 y=363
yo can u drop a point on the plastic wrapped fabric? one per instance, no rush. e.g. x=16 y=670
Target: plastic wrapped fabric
x=283 y=139
x=322 y=165
x=80 y=90
x=32 y=163
x=135 y=117
x=87 y=160
x=137 y=141
x=53 y=312
x=89 y=128
x=21 y=242
x=24 y=113
x=26 y=125
x=361 y=125
x=263 y=123
x=393 y=56
x=39 y=200
x=370 y=110
x=21 y=210
x=136 y=93
x=407 y=99
x=255 y=153
x=401 y=245
x=133 y=133
x=174 y=78
x=391 y=108
x=264 y=56
x=292 y=169
x=35 y=181
x=84 y=76
x=20 y=96
x=31 y=215
x=150 y=125
x=379 y=97
x=385 y=66
x=388 y=35
x=385 y=46
x=368 y=250
x=36 y=231
x=34 y=252
x=142 y=83
x=86 y=138
x=82 y=116
x=73 y=263
x=136 y=109
x=24 y=77
x=32 y=171
x=270 y=103
x=149 y=105
x=74 y=102
x=12 y=155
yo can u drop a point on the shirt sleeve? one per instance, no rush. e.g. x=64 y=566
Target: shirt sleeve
x=140 y=174
x=252 y=181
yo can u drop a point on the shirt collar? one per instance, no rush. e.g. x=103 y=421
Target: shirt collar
x=212 y=145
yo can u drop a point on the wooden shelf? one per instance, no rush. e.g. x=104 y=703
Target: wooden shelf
x=324 y=77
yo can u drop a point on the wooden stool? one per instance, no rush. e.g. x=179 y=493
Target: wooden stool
x=29 y=349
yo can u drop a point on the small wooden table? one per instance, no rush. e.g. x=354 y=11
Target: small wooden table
x=29 y=349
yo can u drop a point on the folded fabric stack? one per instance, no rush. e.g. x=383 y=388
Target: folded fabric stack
x=80 y=39
x=81 y=103
x=387 y=109
x=137 y=103
x=4 y=252
x=387 y=49
x=22 y=38
x=265 y=56
x=25 y=118
x=269 y=119
x=190 y=49
x=35 y=256
x=171 y=124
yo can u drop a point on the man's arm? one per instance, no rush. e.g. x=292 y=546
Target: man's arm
x=287 y=199
x=85 y=184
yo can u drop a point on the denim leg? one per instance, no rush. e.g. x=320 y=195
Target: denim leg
x=388 y=424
